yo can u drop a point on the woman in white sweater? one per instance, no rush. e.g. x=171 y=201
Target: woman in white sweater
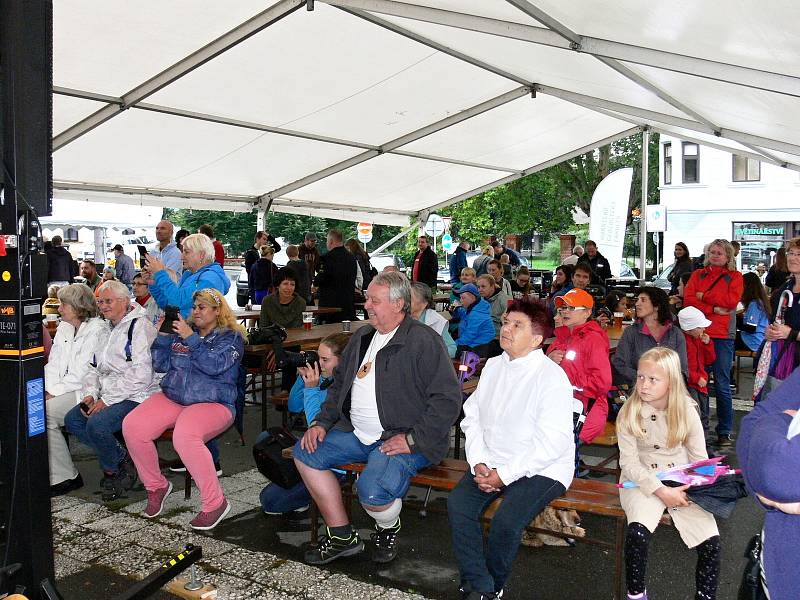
x=77 y=337
x=519 y=445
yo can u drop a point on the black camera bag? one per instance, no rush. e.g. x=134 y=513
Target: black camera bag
x=268 y=454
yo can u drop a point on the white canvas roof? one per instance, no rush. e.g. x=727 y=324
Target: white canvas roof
x=381 y=110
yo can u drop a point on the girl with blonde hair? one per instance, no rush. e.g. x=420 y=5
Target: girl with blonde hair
x=659 y=427
x=200 y=361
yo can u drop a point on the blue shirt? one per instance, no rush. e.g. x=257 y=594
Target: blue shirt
x=170 y=256
x=756 y=316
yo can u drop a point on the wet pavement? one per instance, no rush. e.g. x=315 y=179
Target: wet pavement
x=252 y=555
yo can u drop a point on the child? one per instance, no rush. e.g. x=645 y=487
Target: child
x=467 y=276
x=658 y=427
x=699 y=354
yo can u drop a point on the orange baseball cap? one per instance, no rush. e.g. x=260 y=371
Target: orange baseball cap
x=575 y=297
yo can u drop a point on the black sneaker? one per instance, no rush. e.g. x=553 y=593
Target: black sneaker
x=116 y=484
x=330 y=547
x=725 y=440
x=385 y=543
x=66 y=486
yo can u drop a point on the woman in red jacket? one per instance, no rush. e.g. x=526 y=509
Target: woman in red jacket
x=581 y=348
x=715 y=290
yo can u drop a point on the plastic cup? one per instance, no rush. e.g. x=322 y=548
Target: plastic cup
x=308 y=320
x=345 y=326
x=618 y=316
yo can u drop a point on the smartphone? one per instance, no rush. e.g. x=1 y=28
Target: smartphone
x=84 y=408
x=170 y=316
x=142 y=254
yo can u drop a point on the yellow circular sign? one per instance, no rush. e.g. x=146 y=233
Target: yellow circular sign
x=6 y=275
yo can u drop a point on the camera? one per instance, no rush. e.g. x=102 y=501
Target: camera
x=171 y=314
x=297 y=359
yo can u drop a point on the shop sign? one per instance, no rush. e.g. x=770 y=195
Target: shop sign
x=758 y=231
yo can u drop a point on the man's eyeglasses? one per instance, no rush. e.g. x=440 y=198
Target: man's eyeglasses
x=570 y=308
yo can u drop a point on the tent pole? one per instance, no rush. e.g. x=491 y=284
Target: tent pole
x=643 y=222
x=400 y=235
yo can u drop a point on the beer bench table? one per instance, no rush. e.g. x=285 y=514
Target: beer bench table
x=307 y=339
x=584 y=496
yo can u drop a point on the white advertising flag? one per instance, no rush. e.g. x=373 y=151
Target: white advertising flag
x=609 y=212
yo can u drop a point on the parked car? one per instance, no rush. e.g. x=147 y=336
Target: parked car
x=381 y=261
x=662 y=279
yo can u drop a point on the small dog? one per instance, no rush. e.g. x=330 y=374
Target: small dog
x=558 y=520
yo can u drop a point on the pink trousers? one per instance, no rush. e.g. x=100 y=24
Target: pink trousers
x=192 y=427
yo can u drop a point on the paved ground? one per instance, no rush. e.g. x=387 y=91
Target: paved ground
x=251 y=555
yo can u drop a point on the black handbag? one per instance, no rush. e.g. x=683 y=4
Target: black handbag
x=268 y=454
x=752 y=585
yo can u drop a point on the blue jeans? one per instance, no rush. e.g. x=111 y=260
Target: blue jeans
x=486 y=571
x=97 y=431
x=384 y=479
x=722 y=384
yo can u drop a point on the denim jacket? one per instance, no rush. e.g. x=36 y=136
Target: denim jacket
x=200 y=369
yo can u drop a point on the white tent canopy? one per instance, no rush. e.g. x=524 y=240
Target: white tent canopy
x=381 y=110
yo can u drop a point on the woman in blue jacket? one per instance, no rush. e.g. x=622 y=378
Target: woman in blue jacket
x=200 y=362
x=199 y=272
x=307 y=395
x=475 y=328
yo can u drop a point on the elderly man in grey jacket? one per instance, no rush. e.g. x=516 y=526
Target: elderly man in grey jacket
x=394 y=398
x=120 y=377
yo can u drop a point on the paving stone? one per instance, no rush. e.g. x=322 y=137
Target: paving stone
x=132 y=561
x=230 y=587
x=231 y=485
x=66 y=565
x=292 y=577
x=242 y=563
x=341 y=587
x=118 y=524
x=394 y=594
x=91 y=545
x=254 y=476
x=61 y=502
x=85 y=512
x=247 y=495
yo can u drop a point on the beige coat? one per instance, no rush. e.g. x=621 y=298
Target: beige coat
x=640 y=459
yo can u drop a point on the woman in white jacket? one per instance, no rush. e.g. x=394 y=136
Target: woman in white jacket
x=77 y=338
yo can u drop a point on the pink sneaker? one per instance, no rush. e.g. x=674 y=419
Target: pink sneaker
x=156 y=500
x=208 y=520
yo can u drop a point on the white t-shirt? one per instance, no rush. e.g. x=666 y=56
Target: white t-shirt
x=363 y=402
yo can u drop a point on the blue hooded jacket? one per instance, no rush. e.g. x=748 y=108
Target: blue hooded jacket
x=200 y=369
x=476 y=327
x=167 y=292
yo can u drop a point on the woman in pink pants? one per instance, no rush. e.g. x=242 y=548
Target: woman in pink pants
x=201 y=365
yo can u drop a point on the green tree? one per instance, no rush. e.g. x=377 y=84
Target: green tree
x=235 y=230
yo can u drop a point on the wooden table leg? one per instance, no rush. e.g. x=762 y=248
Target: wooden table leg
x=263 y=393
x=314 y=515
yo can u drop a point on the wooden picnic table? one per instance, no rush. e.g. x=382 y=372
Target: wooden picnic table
x=243 y=314
x=307 y=339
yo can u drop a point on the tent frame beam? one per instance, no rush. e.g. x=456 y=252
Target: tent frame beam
x=546 y=19
x=168 y=110
x=536 y=168
x=189 y=63
x=400 y=141
x=688 y=65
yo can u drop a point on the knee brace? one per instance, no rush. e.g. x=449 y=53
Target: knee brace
x=387 y=518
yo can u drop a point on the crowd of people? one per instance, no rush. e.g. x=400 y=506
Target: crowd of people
x=120 y=375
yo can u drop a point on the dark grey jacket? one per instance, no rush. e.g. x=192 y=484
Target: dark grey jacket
x=415 y=384
x=635 y=342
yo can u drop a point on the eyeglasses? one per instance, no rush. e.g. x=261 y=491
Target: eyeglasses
x=794 y=254
x=102 y=302
x=521 y=280
x=570 y=308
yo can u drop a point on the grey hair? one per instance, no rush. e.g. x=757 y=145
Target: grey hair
x=578 y=249
x=200 y=242
x=727 y=247
x=423 y=291
x=80 y=297
x=119 y=289
x=399 y=288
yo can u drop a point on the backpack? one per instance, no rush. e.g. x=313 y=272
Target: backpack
x=268 y=454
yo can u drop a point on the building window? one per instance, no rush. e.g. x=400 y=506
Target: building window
x=691 y=162
x=746 y=169
x=667 y=164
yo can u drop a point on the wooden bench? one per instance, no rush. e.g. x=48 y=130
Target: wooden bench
x=607 y=439
x=281 y=402
x=584 y=496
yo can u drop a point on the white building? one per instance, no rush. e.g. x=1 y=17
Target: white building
x=712 y=194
